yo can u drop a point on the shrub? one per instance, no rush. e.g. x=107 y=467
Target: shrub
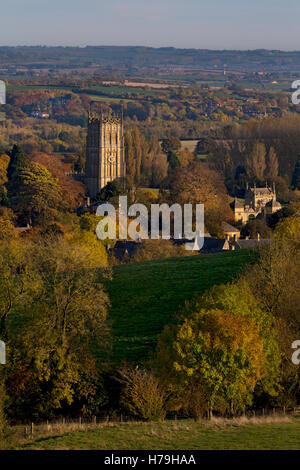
x=142 y=394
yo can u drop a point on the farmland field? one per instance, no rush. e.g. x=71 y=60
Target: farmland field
x=139 y=315
x=281 y=433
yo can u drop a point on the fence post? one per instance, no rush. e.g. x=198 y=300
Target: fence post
x=95 y=420
x=284 y=410
x=79 y=420
x=32 y=429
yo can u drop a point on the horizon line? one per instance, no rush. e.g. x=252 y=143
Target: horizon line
x=148 y=47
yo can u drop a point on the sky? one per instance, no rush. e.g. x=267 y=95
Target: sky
x=203 y=24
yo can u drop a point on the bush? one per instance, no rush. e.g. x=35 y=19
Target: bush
x=158 y=249
x=142 y=394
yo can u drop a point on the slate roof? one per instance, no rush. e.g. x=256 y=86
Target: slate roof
x=251 y=243
x=213 y=245
x=229 y=228
x=273 y=204
x=125 y=248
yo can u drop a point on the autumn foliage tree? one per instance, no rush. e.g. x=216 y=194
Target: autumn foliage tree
x=142 y=394
x=215 y=352
x=72 y=190
x=49 y=356
x=198 y=184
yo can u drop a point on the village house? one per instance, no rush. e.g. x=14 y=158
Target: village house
x=230 y=231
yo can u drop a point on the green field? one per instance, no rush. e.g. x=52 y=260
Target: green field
x=176 y=435
x=146 y=296
x=119 y=90
x=108 y=99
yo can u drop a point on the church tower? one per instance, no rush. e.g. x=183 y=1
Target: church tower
x=105 y=158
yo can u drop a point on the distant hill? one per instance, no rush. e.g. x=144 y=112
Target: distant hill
x=146 y=296
x=254 y=60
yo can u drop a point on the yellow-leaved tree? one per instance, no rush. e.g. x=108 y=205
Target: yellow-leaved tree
x=211 y=361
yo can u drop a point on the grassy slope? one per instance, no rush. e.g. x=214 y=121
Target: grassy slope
x=176 y=435
x=146 y=296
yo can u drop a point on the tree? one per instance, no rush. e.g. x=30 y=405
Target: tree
x=273 y=165
x=286 y=211
x=289 y=229
x=239 y=299
x=133 y=142
x=217 y=352
x=296 y=174
x=274 y=283
x=51 y=353
x=173 y=160
x=171 y=144
x=18 y=280
x=255 y=227
x=142 y=394
x=60 y=169
x=158 y=249
x=4 y=162
x=18 y=160
x=39 y=195
x=112 y=189
x=256 y=162
x=198 y=184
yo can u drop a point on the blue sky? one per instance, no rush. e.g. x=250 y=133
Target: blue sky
x=212 y=24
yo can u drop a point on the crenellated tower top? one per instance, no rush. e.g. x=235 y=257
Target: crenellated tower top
x=103 y=118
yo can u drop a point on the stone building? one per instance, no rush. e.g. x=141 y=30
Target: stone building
x=230 y=231
x=258 y=202
x=105 y=158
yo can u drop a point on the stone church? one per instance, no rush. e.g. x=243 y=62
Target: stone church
x=258 y=202
x=105 y=157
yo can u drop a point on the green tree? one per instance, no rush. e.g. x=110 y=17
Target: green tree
x=18 y=280
x=216 y=351
x=296 y=174
x=112 y=189
x=18 y=160
x=239 y=299
x=173 y=160
x=39 y=195
x=51 y=354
